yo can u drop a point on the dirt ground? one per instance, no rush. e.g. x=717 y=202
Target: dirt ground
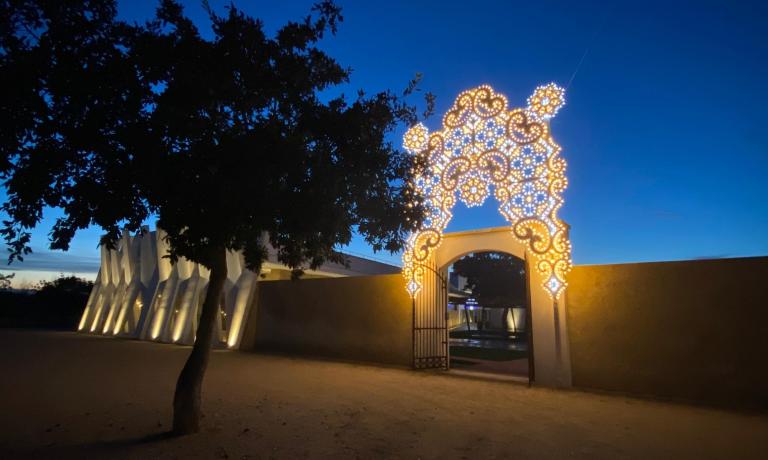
x=64 y=395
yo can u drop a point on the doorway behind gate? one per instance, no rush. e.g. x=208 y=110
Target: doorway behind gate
x=488 y=321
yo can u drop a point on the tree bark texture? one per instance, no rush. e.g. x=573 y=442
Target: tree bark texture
x=186 y=400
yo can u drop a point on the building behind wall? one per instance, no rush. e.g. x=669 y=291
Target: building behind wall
x=138 y=292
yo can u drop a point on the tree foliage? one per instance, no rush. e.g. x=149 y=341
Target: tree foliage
x=243 y=144
x=54 y=304
x=497 y=280
x=72 y=102
x=5 y=281
x=65 y=284
x=223 y=139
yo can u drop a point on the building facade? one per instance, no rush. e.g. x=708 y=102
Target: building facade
x=138 y=293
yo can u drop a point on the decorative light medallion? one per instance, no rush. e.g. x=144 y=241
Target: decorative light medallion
x=484 y=145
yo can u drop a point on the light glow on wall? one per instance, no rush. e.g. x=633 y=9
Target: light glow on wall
x=484 y=146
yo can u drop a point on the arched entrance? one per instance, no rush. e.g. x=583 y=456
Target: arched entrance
x=549 y=344
x=481 y=147
x=488 y=314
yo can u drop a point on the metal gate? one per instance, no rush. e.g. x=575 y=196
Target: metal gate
x=430 y=322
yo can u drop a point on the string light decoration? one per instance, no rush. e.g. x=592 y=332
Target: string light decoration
x=484 y=146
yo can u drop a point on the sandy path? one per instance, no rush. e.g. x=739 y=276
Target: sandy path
x=64 y=395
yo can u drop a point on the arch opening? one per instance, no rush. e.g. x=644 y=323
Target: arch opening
x=488 y=313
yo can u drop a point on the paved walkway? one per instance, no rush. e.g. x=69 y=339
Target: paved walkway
x=64 y=395
x=514 y=367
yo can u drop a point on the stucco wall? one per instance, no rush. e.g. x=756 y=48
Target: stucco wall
x=365 y=318
x=695 y=330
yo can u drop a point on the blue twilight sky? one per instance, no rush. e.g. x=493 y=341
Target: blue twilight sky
x=662 y=129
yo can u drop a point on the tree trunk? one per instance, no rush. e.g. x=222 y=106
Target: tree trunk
x=186 y=400
x=505 y=321
x=466 y=315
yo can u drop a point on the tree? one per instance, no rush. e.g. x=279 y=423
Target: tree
x=55 y=304
x=64 y=285
x=5 y=281
x=227 y=140
x=497 y=280
x=60 y=302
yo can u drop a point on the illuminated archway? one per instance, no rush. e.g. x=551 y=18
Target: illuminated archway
x=484 y=145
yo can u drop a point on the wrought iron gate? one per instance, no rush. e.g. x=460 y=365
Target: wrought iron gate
x=430 y=322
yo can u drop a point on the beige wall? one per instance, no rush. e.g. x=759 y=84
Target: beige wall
x=365 y=318
x=694 y=330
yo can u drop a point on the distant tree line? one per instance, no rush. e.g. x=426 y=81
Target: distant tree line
x=56 y=304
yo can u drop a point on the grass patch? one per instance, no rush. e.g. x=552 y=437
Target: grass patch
x=491 y=354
